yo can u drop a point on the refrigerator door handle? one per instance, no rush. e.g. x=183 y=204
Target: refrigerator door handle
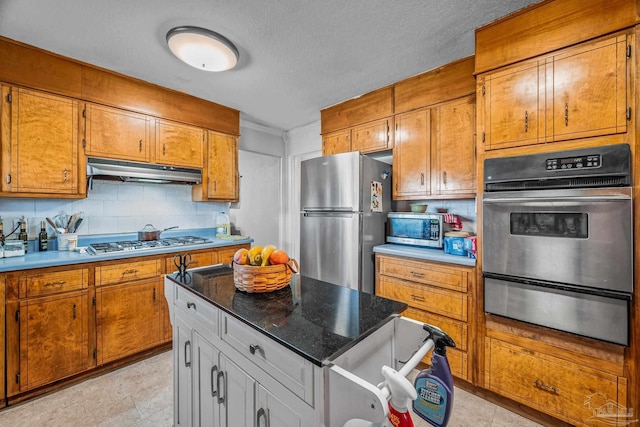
x=331 y=209
x=340 y=214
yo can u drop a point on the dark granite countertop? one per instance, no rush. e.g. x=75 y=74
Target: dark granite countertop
x=315 y=319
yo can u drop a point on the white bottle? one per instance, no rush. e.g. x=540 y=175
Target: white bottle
x=222 y=225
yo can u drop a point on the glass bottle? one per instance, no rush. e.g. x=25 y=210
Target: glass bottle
x=1 y=234
x=43 y=238
x=23 y=235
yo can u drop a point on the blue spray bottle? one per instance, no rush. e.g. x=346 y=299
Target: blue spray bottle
x=434 y=386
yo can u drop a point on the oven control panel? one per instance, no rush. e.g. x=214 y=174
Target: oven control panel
x=582 y=162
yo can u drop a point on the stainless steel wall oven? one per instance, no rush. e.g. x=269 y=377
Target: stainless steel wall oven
x=558 y=240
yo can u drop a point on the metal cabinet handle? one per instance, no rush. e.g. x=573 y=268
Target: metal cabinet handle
x=140 y=146
x=187 y=351
x=548 y=388
x=164 y=149
x=422 y=178
x=58 y=283
x=74 y=311
x=214 y=369
x=417 y=297
x=444 y=177
x=220 y=396
x=417 y=274
x=566 y=114
x=262 y=413
x=191 y=305
x=130 y=271
x=65 y=175
x=254 y=348
x=526 y=121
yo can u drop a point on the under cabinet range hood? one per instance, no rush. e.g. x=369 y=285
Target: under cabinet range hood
x=118 y=170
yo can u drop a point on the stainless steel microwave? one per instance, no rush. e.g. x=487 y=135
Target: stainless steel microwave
x=416 y=229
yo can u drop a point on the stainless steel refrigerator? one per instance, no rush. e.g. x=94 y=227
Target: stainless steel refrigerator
x=344 y=201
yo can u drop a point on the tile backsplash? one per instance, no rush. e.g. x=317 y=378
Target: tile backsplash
x=465 y=209
x=113 y=207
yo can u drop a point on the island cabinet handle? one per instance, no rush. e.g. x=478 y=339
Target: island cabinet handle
x=191 y=304
x=59 y=282
x=417 y=274
x=542 y=386
x=254 y=348
x=218 y=386
x=214 y=369
x=130 y=271
x=417 y=297
x=187 y=350
x=265 y=414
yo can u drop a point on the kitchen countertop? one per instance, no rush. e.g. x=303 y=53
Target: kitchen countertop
x=315 y=319
x=428 y=254
x=57 y=258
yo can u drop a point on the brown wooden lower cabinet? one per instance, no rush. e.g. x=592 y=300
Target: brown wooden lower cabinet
x=63 y=321
x=51 y=341
x=128 y=318
x=569 y=391
x=437 y=294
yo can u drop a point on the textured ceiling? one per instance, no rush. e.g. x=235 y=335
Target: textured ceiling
x=296 y=56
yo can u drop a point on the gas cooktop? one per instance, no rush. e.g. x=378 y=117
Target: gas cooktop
x=138 y=245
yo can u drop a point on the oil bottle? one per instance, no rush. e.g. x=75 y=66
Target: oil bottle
x=23 y=234
x=43 y=238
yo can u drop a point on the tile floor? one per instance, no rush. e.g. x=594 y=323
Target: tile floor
x=141 y=395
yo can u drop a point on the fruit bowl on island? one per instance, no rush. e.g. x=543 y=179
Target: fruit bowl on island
x=262 y=269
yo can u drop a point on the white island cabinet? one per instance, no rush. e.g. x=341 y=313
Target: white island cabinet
x=303 y=356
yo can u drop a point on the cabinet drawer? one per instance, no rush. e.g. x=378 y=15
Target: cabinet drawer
x=422 y=272
x=33 y=285
x=435 y=300
x=285 y=366
x=118 y=273
x=555 y=386
x=456 y=329
x=201 y=310
x=201 y=259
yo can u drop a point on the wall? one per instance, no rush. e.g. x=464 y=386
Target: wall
x=302 y=143
x=114 y=207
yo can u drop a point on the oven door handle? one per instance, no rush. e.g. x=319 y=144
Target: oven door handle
x=558 y=286
x=564 y=199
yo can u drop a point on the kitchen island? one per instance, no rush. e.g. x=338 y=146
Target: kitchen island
x=304 y=355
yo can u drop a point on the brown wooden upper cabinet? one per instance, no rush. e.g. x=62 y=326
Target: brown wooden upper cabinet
x=118 y=134
x=362 y=124
x=220 y=179
x=336 y=142
x=178 y=144
x=434 y=152
x=39 y=143
x=578 y=92
x=412 y=155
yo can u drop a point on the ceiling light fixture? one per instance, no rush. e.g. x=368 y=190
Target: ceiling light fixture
x=203 y=49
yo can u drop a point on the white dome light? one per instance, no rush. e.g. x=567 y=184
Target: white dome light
x=202 y=49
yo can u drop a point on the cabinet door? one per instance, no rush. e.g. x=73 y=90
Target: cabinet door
x=205 y=358
x=235 y=395
x=128 y=318
x=336 y=142
x=182 y=365
x=412 y=155
x=117 y=134
x=44 y=143
x=589 y=90
x=53 y=338
x=514 y=106
x=371 y=137
x=178 y=144
x=454 y=148
x=271 y=411
x=222 y=183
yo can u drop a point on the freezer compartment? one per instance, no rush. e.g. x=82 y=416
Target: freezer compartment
x=353 y=380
